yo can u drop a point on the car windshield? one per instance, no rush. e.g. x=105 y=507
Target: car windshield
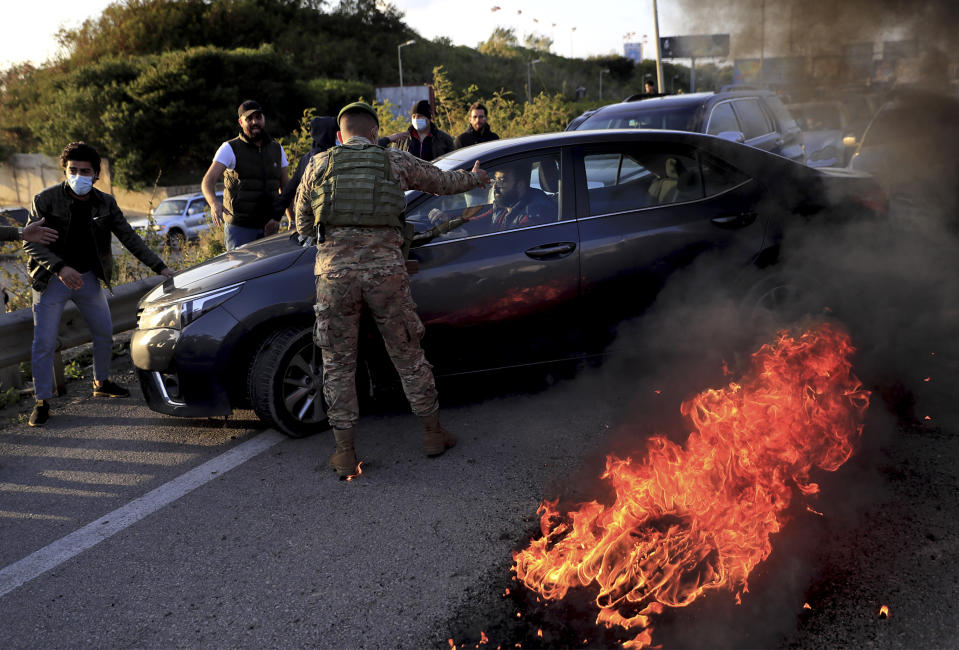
x=170 y=207
x=676 y=118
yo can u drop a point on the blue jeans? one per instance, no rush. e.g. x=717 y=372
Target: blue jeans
x=91 y=300
x=234 y=236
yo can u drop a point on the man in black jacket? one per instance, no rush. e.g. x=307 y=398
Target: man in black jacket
x=72 y=268
x=479 y=130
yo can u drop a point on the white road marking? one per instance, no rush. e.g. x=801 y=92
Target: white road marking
x=65 y=548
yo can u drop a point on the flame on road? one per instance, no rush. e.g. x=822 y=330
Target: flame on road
x=699 y=517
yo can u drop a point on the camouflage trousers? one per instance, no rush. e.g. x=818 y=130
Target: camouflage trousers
x=340 y=296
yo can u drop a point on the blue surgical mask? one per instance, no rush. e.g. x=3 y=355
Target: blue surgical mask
x=419 y=123
x=80 y=185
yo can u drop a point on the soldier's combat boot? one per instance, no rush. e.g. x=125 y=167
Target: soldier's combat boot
x=436 y=439
x=343 y=459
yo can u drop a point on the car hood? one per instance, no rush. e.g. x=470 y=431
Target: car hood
x=259 y=258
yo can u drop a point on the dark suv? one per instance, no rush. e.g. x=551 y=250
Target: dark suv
x=754 y=117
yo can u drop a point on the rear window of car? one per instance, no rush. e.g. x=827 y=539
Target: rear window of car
x=675 y=118
x=752 y=118
x=722 y=119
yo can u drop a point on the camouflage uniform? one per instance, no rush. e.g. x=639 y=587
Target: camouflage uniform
x=357 y=265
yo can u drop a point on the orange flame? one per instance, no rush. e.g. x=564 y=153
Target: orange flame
x=883 y=612
x=359 y=472
x=698 y=517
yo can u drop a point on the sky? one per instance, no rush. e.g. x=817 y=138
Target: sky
x=30 y=26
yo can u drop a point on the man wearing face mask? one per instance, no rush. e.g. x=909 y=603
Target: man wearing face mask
x=253 y=168
x=72 y=268
x=422 y=139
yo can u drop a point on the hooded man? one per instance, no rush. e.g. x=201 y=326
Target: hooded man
x=422 y=139
x=323 y=131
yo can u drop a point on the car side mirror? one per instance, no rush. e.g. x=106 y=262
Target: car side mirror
x=732 y=136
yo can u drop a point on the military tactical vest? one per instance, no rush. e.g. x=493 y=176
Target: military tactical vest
x=358 y=189
x=250 y=188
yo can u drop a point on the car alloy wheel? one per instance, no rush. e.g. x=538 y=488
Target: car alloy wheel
x=286 y=383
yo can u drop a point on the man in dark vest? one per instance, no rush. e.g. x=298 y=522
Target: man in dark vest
x=253 y=167
x=479 y=130
x=359 y=261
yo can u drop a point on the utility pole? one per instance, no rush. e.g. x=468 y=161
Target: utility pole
x=601 y=73
x=659 y=58
x=399 y=59
x=529 y=81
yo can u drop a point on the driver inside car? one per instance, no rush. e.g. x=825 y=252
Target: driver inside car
x=515 y=205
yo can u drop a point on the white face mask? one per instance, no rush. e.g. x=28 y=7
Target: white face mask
x=80 y=185
x=419 y=123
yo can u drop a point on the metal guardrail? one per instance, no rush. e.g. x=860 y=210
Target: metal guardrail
x=16 y=327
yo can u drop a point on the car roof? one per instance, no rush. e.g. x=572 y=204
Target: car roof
x=508 y=146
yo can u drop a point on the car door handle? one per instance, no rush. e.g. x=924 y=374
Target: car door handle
x=740 y=220
x=551 y=250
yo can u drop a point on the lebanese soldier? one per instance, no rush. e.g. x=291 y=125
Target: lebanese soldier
x=359 y=260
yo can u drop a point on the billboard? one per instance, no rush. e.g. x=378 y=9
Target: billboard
x=695 y=46
x=633 y=51
x=402 y=98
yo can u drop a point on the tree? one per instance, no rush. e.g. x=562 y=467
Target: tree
x=538 y=42
x=502 y=42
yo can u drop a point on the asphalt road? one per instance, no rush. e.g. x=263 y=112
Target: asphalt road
x=277 y=553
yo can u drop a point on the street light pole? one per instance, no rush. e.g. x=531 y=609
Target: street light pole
x=601 y=73
x=659 y=58
x=399 y=59
x=529 y=81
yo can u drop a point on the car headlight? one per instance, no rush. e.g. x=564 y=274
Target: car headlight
x=179 y=314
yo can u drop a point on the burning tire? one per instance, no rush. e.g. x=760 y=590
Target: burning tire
x=286 y=383
x=784 y=296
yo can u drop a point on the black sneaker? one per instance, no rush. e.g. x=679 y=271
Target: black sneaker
x=40 y=414
x=107 y=388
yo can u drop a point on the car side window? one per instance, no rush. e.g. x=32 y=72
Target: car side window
x=719 y=176
x=523 y=192
x=754 y=120
x=625 y=181
x=722 y=119
x=196 y=207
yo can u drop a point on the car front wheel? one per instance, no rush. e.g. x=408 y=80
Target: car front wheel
x=286 y=383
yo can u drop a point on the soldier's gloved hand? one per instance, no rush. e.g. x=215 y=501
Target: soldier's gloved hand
x=437 y=217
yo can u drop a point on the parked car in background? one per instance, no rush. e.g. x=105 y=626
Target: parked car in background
x=617 y=212
x=178 y=218
x=754 y=117
x=827 y=134
x=910 y=147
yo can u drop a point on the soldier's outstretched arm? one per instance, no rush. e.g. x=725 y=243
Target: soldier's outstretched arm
x=417 y=174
